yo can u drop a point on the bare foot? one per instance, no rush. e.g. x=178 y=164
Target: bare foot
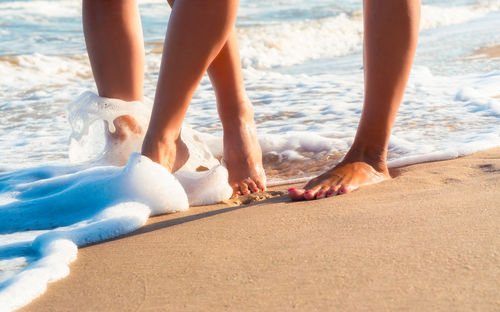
x=170 y=154
x=125 y=140
x=342 y=179
x=243 y=155
x=125 y=126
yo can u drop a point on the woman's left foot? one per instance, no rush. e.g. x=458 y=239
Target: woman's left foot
x=341 y=179
x=243 y=156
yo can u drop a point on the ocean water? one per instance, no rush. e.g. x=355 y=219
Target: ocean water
x=303 y=71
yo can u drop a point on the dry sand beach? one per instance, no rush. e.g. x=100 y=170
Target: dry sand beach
x=428 y=240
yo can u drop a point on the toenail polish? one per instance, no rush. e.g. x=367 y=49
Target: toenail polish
x=307 y=192
x=255 y=190
x=319 y=194
x=291 y=189
x=341 y=191
x=328 y=194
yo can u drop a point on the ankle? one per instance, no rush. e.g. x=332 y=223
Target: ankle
x=161 y=137
x=376 y=156
x=236 y=113
x=162 y=150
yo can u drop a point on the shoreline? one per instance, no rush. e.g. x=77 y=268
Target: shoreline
x=488 y=52
x=427 y=239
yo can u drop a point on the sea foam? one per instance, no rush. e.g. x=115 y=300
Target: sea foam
x=88 y=206
x=77 y=209
x=47 y=212
x=294 y=42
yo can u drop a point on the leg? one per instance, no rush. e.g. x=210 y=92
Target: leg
x=113 y=35
x=390 y=40
x=197 y=31
x=242 y=152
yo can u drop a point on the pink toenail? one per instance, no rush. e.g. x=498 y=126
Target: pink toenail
x=328 y=194
x=308 y=192
x=255 y=190
x=319 y=194
x=291 y=189
x=341 y=191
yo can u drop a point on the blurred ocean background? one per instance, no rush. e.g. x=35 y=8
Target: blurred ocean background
x=303 y=71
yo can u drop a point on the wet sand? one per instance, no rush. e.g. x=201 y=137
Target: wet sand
x=488 y=52
x=428 y=240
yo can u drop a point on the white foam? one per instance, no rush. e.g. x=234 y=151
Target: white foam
x=435 y=16
x=205 y=188
x=37 y=10
x=200 y=155
x=85 y=203
x=450 y=153
x=289 y=43
x=294 y=42
x=79 y=195
x=92 y=122
x=92 y=119
x=35 y=69
x=84 y=207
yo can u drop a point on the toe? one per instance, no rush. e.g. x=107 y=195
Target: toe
x=311 y=194
x=322 y=193
x=244 y=188
x=261 y=186
x=296 y=194
x=333 y=190
x=252 y=186
x=344 y=189
x=236 y=189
